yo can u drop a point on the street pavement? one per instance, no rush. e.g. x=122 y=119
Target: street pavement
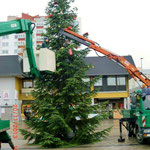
x=109 y=143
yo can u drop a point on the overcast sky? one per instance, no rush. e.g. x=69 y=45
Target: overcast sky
x=121 y=26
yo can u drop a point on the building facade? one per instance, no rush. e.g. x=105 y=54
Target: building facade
x=15 y=43
x=11 y=74
x=113 y=85
x=16 y=87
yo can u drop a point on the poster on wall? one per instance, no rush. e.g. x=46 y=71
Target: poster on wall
x=6 y=95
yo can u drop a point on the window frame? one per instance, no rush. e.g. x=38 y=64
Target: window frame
x=109 y=77
x=5 y=44
x=122 y=84
x=5 y=52
x=97 y=85
x=27 y=80
x=86 y=79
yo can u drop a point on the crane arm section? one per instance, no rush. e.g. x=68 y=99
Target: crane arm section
x=21 y=26
x=132 y=70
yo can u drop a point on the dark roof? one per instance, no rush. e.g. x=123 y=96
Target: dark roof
x=11 y=65
x=104 y=66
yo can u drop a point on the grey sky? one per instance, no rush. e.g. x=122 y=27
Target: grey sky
x=122 y=26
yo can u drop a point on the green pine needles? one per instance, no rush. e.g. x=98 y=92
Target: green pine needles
x=62 y=105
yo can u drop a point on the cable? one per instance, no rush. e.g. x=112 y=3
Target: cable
x=96 y=51
x=138 y=83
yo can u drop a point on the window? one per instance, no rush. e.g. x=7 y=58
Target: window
x=86 y=84
x=5 y=51
x=86 y=79
x=21 y=36
x=5 y=44
x=5 y=37
x=15 y=51
x=40 y=31
x=121 y=81
x=21 y=43
x=15 y=43
x=147 y=102
x=40 y=24
x=27 y=83
x=111 y=81
x=40 y=38
x=99 y=82
x=16 y=36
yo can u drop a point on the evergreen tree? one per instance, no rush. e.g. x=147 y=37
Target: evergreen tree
x=63 y=99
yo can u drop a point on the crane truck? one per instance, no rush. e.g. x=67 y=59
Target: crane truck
x=138 y=117
x=27 y=27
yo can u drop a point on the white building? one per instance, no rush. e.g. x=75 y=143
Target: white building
x=15 y=43
x=9 y=44
x=10 y=75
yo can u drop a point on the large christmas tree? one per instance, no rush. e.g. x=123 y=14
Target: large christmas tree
x=60 y=112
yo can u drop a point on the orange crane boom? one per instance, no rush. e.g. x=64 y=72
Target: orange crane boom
x=132 y=70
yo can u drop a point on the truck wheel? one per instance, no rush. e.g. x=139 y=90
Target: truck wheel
x=139 y=137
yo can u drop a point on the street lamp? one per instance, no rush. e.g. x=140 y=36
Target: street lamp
x=141 y=63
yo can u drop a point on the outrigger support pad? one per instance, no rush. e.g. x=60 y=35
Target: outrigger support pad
x=121 y=139
x=128 y=120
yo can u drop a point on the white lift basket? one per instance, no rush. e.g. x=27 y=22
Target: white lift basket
x=45 y=60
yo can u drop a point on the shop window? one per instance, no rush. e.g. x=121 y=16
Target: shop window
x=28 y=83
